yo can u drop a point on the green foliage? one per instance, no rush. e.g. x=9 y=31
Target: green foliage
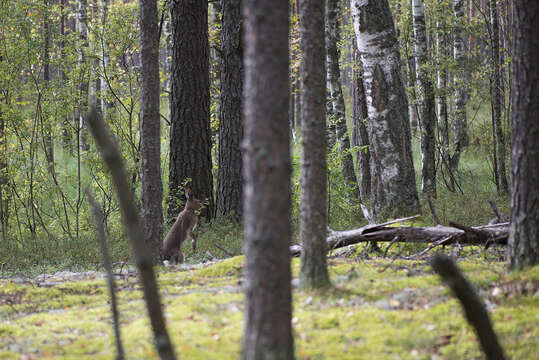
x=344 y=210
x=45 y=220
x=45 y=217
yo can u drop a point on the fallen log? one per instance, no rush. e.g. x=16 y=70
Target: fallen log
x=446 y=235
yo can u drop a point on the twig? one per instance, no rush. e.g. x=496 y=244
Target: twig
x=98 y=219
x=142 y=256
x=437 y=243
x=223 y=250
x=499 y=216
x=475 y=311
x=433 y=211
x=390 y=244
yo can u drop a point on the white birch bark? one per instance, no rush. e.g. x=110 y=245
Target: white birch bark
x=332 y=36
x=104 y=103
x=393 y=190
x=84 y=78
x=441 y=49
x=460 y=139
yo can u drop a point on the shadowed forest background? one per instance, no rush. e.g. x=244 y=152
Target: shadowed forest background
x=59 y=57
x=336 y=156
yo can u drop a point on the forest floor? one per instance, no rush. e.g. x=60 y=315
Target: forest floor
x=377 y=309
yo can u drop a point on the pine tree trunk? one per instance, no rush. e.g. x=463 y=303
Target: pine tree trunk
x=313 y=218
x=425 y=95
x=150 y=129
x=336 y=94
x=190 y=138
x=267 y=170
x=524 y=227
x=229 y=178
x=496 y=99
x=393 y=183
x=460 y=139
x=360 y=118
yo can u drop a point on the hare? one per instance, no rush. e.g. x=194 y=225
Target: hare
x=183 y=226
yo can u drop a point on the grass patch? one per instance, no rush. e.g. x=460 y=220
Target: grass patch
x=376 y=309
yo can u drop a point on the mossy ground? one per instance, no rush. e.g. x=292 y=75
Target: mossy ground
x=377 y=309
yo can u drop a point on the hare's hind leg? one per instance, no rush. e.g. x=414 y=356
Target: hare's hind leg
x=180 y=257
x=193 y=241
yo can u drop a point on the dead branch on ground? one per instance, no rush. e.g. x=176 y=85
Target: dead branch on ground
x=437 y=235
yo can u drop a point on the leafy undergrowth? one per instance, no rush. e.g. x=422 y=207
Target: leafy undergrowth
x=377 y=309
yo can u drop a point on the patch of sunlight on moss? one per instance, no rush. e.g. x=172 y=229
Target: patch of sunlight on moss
x=204 y=313
x=9 y=355
x=518 y=328
x=62 y=296
x=228 y=267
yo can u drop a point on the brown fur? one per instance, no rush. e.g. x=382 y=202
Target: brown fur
x=183 y=226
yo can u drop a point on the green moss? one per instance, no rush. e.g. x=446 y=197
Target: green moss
x=229 y=267
x=376 y=309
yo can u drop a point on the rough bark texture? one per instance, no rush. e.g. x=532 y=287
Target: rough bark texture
x=524 y=230
x=425 y=97
x=229 y=177
x=496 y=100
x=336 y=94
x=393 y=186
x=437 y=235
x=313 y=218
x=190 y=139
x=150 y=129
x=360 y=136
x=460 y=138
x=267 y=170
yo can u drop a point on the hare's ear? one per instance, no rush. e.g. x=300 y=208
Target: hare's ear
x=188 y=193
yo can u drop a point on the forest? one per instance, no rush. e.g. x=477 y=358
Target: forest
x=310 y=179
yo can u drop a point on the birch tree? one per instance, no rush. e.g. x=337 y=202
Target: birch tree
x=360 y=136
x=442 y=53
x=425 y=95
x=84 y=77
x=460 y=136
x=393 y=186
x=336 y=94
